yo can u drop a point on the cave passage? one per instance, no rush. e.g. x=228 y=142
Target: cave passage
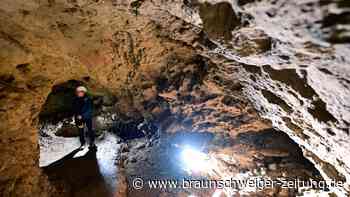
x=121 y=158
x=99 y=173
x=126 y=152
x=182 y=89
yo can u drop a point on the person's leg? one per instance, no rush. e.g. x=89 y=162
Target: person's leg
x=81 y=136
x=91 y=132
x=80 y=125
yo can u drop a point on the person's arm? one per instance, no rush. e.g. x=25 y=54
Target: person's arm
x=90 y=107
x=87 y=108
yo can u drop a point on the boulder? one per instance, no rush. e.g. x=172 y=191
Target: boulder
x=101 y=123
x=67 y=130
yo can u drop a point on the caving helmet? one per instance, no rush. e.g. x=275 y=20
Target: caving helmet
x=81 y=89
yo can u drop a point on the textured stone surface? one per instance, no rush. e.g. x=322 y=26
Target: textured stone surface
x=289 y=62
x=48 y=43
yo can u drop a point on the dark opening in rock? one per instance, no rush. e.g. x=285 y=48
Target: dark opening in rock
x=291 y=78
x=131 y=129
x=335 y=25
x=329 y=169
x=24 y=68
x=59 y=103
x=272 y=98
x=278 y=147
x=296 y=129
x=7 y=79
x=218 y=19
x=320 y=112
x=244 y=2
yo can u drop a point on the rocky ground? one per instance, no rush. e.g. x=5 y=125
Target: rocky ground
x=111 y=170
x=265 y=81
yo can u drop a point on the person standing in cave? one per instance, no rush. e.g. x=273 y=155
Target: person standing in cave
x=82 y=108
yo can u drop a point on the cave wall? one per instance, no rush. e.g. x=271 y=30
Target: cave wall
x=47 y=43
x=291 y=57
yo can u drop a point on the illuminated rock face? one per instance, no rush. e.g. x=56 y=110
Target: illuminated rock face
x=301 y=81
x=286 y=60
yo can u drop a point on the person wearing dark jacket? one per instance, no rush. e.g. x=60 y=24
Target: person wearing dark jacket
x=82 y=108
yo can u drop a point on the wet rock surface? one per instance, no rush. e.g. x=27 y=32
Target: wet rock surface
x=232 y=71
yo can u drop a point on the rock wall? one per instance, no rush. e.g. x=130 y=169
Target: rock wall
x=291 y=59
x=47 y=43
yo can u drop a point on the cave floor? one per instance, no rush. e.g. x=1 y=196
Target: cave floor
x=88 y=173
x=111 y=170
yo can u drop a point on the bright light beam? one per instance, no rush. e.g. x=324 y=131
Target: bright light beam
x=196 y=161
